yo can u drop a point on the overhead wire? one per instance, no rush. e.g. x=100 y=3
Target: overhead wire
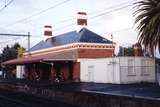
x=63 y=21
x=33 y=15
x=6 y=5
x=104 y=13
x=38 y=13
x=101 y=14
x=116 y=31
x=111 y=7
x=4 y=42
x=93 y=17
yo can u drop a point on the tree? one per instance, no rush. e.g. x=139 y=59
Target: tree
x=9 y=53
x=125 y=51
x=20 y=51
x=148 y=20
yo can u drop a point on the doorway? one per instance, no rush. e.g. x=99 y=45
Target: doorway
x=91 y=73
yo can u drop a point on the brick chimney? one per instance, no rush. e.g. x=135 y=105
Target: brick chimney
x=81 y=20
x=47 y=32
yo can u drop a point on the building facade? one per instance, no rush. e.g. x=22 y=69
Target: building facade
x=118 y=70
x=56 y=57
x=81 y=55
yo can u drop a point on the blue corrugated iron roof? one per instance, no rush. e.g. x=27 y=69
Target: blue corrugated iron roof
x=84 y=36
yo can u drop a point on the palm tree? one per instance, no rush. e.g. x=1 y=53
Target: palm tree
x=148 y=20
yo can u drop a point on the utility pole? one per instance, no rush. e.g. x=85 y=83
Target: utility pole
x=23 y=35
x=29 y=43
x=112 y=45
x=112 y=59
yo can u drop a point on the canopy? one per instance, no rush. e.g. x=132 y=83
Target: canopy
x=58 y=56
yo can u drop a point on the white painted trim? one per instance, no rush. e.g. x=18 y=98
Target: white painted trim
x=82 y=17
x=47 y=29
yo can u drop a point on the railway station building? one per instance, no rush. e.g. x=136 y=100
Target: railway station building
x=58 y=56
x=82 y=56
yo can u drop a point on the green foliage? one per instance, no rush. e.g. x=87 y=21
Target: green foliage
x=20 y=51
x=9 y=53
x=148 y=20
x=126 y=51
x=12 y=52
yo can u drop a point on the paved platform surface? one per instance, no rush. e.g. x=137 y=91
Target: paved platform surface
x=17 y=99
x=149 y=91
x=144 y=91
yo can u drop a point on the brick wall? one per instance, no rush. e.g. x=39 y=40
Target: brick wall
x=65 y=70
x=94 y=53
x=52 y=73
x=76 y=71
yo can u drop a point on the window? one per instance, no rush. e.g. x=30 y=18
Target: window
x=131 y=71
x=144 y=67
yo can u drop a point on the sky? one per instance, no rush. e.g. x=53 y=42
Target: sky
x=105 y=17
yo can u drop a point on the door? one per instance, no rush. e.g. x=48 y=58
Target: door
x=91 y=73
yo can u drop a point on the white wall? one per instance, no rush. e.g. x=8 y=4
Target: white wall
x=117 y=70
x=124 y=74
x=98 y=73
x=151 y=72
x=102 y=72
x=139 y=75
x=20 y=71
x=112 y=70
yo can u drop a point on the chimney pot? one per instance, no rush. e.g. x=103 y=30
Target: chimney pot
x=81 y=20
x=84 y=13
x=47 y=31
